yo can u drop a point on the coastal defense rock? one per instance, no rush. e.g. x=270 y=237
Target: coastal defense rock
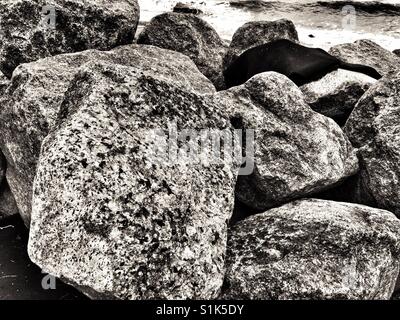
x=34 y=29
x=32 y=103
x=368 y=53
x=336 y=94
x=314 y=249
x=192 y=36
x=255 y=33
x=373 y=127
x=116 y=219
x=298 y=152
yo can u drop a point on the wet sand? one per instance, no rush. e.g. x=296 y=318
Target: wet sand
x=20 y=279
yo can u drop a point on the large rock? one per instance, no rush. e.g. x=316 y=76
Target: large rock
x=255 y=33
x=298 y=152
x=34 y=29
x=374 y=128
x=192 y=36
x=32 y=102
x=336 y=94
x=111 y=217
x=368 y=53
x=397 y=52
x=314 y=249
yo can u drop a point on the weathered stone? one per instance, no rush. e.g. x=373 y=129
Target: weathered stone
x=374 y=128
x=336 y=94
x=32 y=102
x=113 y=220
x=192 y=36
x=34 y=29
x=298 y=152
x=314 y=249
x=397 y=52
x=368 y=53
x=255 y=33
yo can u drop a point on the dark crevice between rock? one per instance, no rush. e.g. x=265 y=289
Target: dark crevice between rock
x=20 y=279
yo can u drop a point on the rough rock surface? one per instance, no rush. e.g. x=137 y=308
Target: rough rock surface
x=110 y=217
x=27 y=33
x=192 y=36
x=368 y=53
x=397 y=52
x=297 y=151
x=32 y=102
x=314 y=249
x=255 y=33
x=336 y=94
x=374 y=127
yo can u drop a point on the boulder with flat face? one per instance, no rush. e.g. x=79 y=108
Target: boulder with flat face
x=32 y=102
x=117 y=219
x=34 y=29
x=192 y=36
x=314 y=249
x=297 y=151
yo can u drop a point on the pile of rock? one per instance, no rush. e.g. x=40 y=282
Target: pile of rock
x=86 y=137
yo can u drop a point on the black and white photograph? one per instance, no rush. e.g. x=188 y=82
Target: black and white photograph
x=199 y=155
